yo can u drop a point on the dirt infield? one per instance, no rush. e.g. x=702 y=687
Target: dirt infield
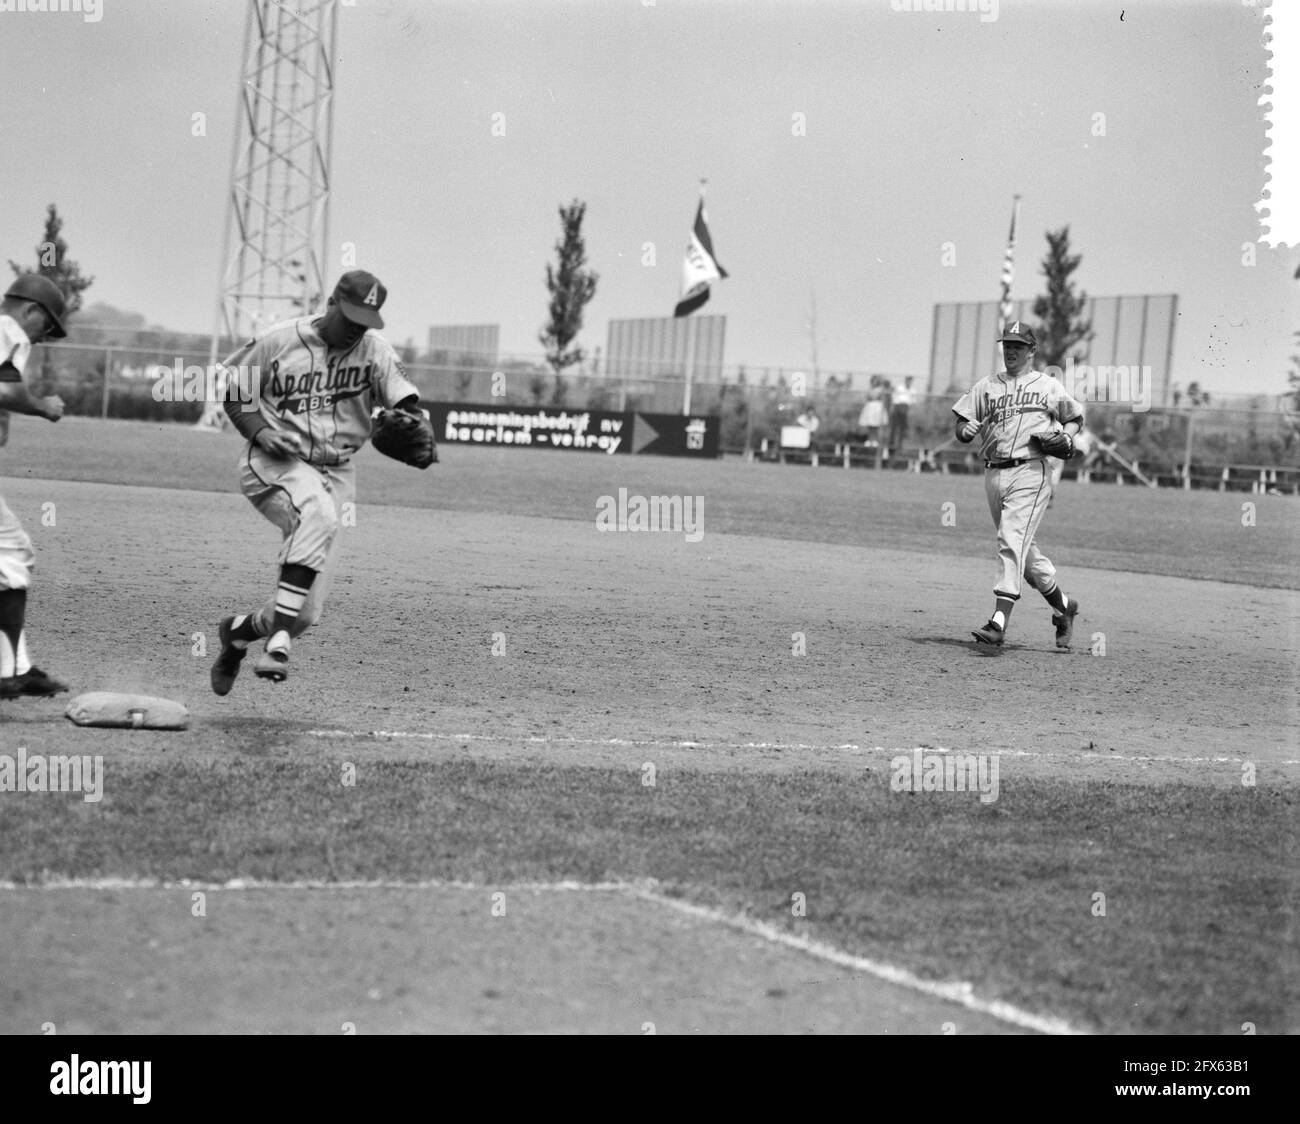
x=612 y=651
x=651 y=640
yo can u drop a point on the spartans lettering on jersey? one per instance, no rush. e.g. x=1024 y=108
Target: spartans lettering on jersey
x=316 y=390
x=1020 y=401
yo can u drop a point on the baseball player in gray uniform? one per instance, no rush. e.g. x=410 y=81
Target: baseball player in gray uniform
x=32 y=311
x=1022 y=417
x=319 y=379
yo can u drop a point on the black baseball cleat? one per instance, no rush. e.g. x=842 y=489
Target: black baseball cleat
x=225 y=668
x=989 y=634
x=1064 y=623
x=33 y=681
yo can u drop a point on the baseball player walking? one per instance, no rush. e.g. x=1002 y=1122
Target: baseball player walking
x=1022 y=416
x=32 y=311
x=305 y=410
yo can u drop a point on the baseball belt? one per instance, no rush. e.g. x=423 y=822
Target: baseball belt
x=1010 y=464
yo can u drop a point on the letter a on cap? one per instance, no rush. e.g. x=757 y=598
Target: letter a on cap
x=372 y=297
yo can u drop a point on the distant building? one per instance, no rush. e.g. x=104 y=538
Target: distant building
x=655 y=348
x=464 y=345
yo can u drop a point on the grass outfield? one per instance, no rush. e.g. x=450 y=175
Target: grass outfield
x=1195 y=937
x=1120 y=776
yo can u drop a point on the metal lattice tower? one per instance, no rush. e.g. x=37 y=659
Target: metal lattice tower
x=277 y=212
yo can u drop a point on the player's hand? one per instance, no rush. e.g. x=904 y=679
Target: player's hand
x=277 y=444
x=968 y=431
x=53 y=407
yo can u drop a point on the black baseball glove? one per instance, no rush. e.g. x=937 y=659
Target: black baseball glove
x=405 y=436
x=1058 y=443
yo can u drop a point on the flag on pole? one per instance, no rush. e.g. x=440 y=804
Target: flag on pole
x=1008 y=270
x=701 y=268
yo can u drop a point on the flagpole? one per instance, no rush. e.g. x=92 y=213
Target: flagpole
x=690 y=363
x=690 y=338
x=1008 y=267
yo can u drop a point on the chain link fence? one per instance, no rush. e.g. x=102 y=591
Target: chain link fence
x=142 y=378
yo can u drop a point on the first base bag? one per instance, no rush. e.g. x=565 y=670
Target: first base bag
x=135 y=712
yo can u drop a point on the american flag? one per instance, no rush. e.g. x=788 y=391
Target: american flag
x=1008 y=270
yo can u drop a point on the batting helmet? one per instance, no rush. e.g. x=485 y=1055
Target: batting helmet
x=44 y=292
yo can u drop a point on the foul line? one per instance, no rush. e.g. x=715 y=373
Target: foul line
x=954 y=992
x=650 y=743
x=959 y=993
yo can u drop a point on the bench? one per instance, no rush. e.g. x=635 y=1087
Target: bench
x=857 y=454
x=1258 y=479
x=796 y=446
x=864 y=454
x=1283 y=482
x=1253 y=478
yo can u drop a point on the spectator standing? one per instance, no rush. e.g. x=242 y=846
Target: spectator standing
x=903 y=399
x=872 y=418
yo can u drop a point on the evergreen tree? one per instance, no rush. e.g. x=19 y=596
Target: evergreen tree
x=52 y=261
x=1060 y=310
x=571 y=286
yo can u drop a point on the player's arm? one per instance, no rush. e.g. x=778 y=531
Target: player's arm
x=967 y=427
x=967 y=413
x=241 y=394
x=394 y=390
x=249 y=423
x=261 y=433
x=256 y=429
x=15 y=397
x=1070 y=414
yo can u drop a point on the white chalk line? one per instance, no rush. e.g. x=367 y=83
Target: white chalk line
x=956 y=992
x=656 y=743
x=952 y=992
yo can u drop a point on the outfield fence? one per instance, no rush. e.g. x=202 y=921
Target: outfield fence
x=136 y=377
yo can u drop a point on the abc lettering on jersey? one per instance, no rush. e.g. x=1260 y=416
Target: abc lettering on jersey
x=1013 y=408
x=323 y=395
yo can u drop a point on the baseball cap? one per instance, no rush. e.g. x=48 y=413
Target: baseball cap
x=44 y=292
x=361 y=295
x=1018 y=332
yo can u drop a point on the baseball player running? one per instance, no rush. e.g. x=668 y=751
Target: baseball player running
x=1022 y=416
x=32 y=311
x=302 y=396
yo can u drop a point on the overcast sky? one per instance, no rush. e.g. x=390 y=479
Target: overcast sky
x=919 y=129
